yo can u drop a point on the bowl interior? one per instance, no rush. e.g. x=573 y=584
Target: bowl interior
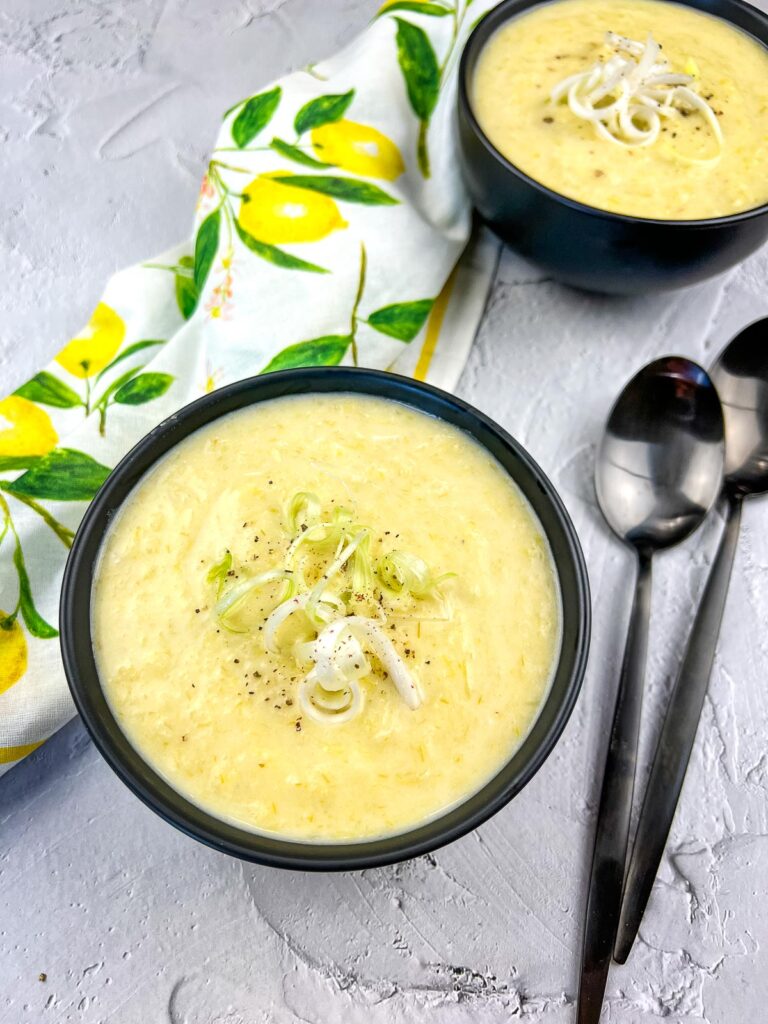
x=743 y=15
x=82 y=675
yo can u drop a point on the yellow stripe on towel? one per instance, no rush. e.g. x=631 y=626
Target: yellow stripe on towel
x=10 y=754
x=434 y=324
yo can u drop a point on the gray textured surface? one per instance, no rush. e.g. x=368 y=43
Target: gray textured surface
x=106 y=111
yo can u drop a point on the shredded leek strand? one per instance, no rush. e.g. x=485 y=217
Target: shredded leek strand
x=236 y=594
x=401 y=572
x=218 y=573
x=339 y=561
x=627 y=96
x=303 y=511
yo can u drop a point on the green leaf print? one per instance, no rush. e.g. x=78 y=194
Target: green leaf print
x=277 y=256
x=144 y=388
x=294 y=153
x=109 y=391
x=137 y=346
x=403 y=320
x=421 y=72
x=349 y=190
x=323 y=110
x=33 y=620
x=326 y=351
x=186 y=289
x=65 y=535
x=18 y=461
x=64 y=475
x=255 y=115
x=47 y=389
x=433 y=10
x=206 y=245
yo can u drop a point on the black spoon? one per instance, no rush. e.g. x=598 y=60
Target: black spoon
x=741 y=378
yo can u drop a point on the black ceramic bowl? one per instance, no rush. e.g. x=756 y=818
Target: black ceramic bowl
x=584 y=246
x=83 y=677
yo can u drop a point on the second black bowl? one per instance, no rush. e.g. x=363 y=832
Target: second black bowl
x=579 y=244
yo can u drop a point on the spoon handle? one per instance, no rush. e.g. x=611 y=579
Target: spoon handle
x=676 y=739
x=613 y=816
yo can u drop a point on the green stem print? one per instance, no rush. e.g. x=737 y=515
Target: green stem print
x=65 y=535
x=47 y=389
x=25 y=604
x=358 y=299
x=422 y=72
x=401 y=320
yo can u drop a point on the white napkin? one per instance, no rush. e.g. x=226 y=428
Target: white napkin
x=328 y=230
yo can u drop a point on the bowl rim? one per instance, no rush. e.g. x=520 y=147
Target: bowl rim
x=89 y=698
x=509 y=9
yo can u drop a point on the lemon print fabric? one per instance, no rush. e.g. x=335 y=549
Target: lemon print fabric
x=95 y=346
x=30 y=432
x=358 y=148
x=13 y=652
x=279 y=214
x=318 y=239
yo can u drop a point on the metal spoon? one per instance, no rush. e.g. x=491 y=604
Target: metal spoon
x=659 y=471
x=741 y=378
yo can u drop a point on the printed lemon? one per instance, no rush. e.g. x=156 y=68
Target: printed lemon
x=96 y=345
x=277 y=214
x=358 y=148
x=13 y=654
x=31 y=431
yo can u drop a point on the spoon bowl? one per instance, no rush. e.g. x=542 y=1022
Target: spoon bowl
x=741 y=378
x=659 y=467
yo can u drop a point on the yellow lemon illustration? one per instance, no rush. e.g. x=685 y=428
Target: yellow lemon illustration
x=276 y=213
x=31 y=431
x=96 y=345
x=13 y=654
x=358 y=148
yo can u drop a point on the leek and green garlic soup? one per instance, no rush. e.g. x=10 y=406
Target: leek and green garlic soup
x=326 y=617
x=639 y=107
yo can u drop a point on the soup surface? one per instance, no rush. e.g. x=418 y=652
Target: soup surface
x=256 y=512
x=710 y=154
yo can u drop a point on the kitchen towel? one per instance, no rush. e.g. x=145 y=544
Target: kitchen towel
x=329 y=229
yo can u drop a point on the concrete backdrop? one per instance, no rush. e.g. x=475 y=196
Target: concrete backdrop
x=107 y=110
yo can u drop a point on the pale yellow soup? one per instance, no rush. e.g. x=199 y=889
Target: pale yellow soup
x=532 y=53
x=217 y=715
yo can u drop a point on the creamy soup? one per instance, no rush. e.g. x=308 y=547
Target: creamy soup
x=330 y=618
x=635 y=106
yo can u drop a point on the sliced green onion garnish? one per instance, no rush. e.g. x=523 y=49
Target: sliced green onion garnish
x=232 y=598
x=362 y=567
x=303 y=511
x=338 y=563
x=324 y=612
x=338 y=657
x=218 y=573
x=401 y=573
x=324 y=707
